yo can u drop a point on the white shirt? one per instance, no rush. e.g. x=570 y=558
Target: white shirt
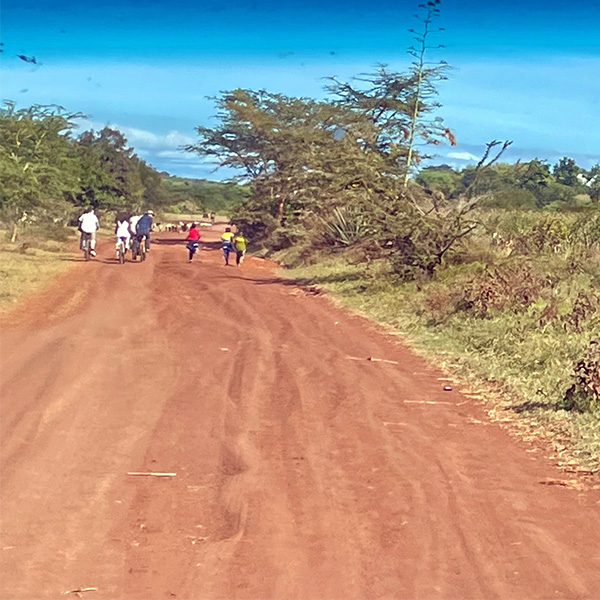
x=133 y=222
x=123 y=229
x=89 y=222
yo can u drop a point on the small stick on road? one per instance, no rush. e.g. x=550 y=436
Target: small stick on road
x=152 y=474
x=373 y=359
x=80 y=591
x=384 y=360
x=427 y=402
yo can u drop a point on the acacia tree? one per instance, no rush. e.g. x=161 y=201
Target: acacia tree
x=38 y=164
x=566 y=171
x=288 y=149
x=112 y=179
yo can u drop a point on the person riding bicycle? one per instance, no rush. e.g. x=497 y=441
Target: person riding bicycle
x=88 y=225
x=133 y=224
x=227 y=244
x=143 y=228
x=193 y=241
x=122 y=232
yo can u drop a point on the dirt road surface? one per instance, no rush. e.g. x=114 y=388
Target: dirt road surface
x=300 y=473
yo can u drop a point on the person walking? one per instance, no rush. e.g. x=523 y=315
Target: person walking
x=227 y=244
x=239 y=245
x=193 y=241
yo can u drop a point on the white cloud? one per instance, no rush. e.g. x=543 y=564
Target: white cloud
x=462 y=155
x=177 y=154
x=143 y=140
x=146 y=140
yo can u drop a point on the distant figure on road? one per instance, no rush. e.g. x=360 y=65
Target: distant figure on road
x=212 y=217
x=239 y=244
x=227 y=244
x=193 y=241
x=88 y=225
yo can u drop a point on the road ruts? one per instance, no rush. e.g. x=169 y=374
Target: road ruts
x=301 y=473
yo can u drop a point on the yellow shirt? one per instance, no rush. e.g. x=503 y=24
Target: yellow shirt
x=227 y=237
x=239 y=242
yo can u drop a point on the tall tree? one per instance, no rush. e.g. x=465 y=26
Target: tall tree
x=566 y=171
x=119 y=186
x=38 y=164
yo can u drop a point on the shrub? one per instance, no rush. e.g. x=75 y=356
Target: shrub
x=513 y=288
x=584 y=307
x=584 y=393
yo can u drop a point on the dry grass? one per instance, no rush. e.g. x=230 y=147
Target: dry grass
x=27 y=265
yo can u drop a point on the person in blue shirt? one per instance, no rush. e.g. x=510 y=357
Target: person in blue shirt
x=143 y=228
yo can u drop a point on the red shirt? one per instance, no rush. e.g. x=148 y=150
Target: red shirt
x=193 y=235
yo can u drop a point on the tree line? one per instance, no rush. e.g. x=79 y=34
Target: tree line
x=187 y=195
x=47 y=173
x=528 y=185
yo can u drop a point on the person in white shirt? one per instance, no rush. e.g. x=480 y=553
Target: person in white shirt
x=89 y=224
x=133 y=223
x=122 y=233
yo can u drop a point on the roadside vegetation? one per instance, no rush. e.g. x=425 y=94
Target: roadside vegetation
x=49 y=176
x=27 y=266
x=515 y=316
x=495 y=267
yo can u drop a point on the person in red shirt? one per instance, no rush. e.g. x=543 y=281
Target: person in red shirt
x=193 y=241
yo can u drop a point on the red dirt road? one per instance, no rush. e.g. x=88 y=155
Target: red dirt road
x=300 y=473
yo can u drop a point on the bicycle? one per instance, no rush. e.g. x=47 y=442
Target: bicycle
x=86 y=245
x=138 y=248
x=121 y=250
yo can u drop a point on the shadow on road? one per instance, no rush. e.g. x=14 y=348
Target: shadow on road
x=522 y=407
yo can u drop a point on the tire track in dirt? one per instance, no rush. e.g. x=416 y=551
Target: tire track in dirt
x=59 y=492
x=300 y=472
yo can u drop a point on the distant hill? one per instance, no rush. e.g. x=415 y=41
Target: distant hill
x=201 y=195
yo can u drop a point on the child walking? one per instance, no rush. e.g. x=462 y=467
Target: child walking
x=239 y=244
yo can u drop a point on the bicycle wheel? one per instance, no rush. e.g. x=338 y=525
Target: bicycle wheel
x=121 y=254
x=142 y=252
x=86 y=249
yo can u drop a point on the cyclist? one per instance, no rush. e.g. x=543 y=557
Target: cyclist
x=227 y=244
x=122 y=232
x=133 y=223
x=239 y=244
x=88 y=225
x=193 y=241
x=143 y=228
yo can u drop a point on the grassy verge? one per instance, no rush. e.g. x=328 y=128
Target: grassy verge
x=520 y=368
x=28 y=264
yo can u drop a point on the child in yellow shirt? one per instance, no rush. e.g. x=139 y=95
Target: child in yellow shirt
x=239 y=244
x=227 y=244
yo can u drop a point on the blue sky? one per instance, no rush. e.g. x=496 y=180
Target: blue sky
x=528 y=71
